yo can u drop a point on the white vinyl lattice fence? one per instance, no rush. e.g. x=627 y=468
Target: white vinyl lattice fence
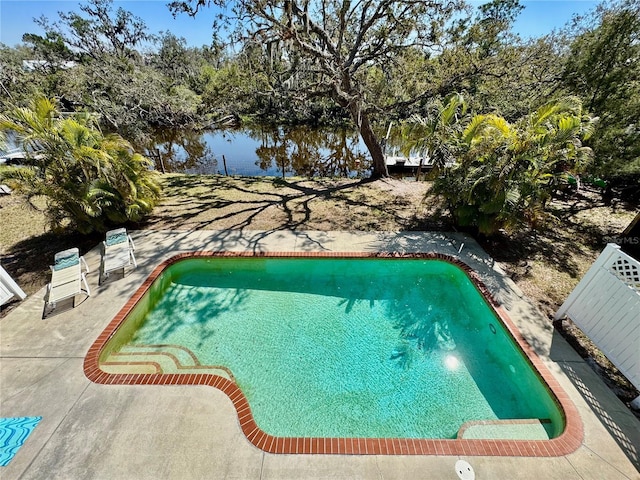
x=605 y=305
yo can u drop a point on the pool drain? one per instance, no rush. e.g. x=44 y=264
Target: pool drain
x=465 y=470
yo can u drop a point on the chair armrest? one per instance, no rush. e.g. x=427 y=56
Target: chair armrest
x=133 y=245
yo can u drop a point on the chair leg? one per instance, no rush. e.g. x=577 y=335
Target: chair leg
x=46 y=301
x=48 y=308
x=86 y=286
x=103 y=278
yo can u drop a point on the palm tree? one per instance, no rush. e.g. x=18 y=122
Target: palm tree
x=434 y=134
x=508 y=172
x=72 y=162
x=128 y=192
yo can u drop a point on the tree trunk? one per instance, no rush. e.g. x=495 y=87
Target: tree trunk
x=349 y=98
x=633 y=229
x=371 y=141
x=630 y=238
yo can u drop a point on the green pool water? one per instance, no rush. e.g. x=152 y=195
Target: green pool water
x=332 y=347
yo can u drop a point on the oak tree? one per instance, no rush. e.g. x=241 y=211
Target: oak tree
x=330 y=45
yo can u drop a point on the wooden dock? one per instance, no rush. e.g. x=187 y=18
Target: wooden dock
x=408 y=162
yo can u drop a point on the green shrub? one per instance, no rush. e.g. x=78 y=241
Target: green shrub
x=91 y=182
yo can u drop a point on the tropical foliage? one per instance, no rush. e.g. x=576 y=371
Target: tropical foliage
x=90 y=181
x=434 y=135
x=603 y=68
x=506 y=172
x=394 y=60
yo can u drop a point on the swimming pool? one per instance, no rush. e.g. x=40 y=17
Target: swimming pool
x=345 y=348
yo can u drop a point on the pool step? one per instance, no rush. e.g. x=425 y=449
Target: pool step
x=158 y=359
x=520 y=429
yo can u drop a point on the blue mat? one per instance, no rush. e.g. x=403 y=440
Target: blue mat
x=13 y=433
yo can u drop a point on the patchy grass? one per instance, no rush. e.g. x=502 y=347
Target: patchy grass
x=20 y=220
x=27 y=245
x=546 y=265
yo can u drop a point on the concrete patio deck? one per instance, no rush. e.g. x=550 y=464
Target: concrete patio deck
x=92 y=431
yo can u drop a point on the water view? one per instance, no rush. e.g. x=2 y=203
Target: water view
x=263 y=151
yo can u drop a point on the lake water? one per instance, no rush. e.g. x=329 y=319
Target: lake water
x=283 y=151
x=264 y=151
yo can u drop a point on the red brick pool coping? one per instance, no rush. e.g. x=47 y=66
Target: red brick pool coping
x=568 y=441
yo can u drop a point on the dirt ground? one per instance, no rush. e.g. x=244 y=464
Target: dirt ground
x=546 y=265
x=216 y=202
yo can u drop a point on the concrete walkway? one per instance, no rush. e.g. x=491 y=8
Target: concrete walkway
x=91 y=431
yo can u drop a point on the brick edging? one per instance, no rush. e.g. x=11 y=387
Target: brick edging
x=567 y=442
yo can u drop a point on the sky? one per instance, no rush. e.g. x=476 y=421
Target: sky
x=16 y=17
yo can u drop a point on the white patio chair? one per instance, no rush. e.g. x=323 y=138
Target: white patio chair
x=117 y=253
x=9 y=288
x=67 y=277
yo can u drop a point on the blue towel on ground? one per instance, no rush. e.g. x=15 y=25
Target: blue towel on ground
x=13 y=433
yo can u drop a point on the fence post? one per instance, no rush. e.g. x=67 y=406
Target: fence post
x=161 y=161
x=224 y=162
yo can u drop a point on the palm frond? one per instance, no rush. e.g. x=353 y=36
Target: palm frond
x=472 y=130
x=89 y=180
x=589 y=126
x=448 y=114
